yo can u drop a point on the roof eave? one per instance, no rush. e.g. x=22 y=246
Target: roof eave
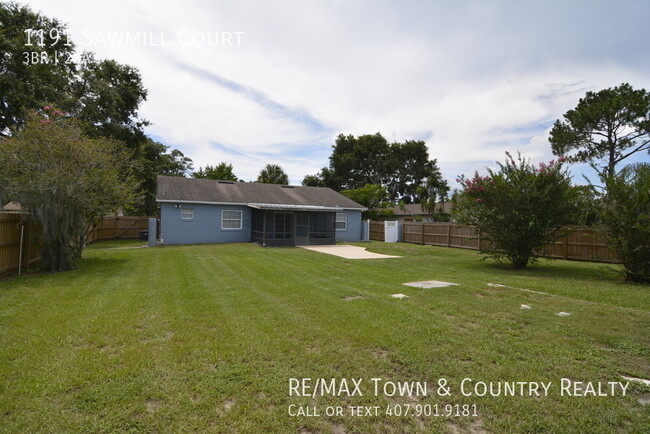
x=266 y=206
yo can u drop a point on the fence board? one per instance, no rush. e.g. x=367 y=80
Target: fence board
x=10 y=228
x=110 y=228
x=576 y=243
x=377 y=231
x=10 y=223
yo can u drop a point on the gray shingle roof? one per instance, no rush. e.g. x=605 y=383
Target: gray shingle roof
x=172 y=189
x=414 y=209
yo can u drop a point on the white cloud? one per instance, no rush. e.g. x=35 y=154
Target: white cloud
x=473 y=79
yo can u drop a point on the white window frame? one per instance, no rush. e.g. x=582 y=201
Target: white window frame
x=184 y=217
x=344 y=221
x=240 y=219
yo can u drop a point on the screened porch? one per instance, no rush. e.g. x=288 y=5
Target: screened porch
x=292 y=227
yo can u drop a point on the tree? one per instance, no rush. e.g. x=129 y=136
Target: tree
x=66 y=178
x=357 y=161
x=626 y=218
x=407 y=169
x=312 y=181
x=517 y=209
x=107 y=96
x=153 y=159
x=433 y=192
x=608 y=125
x=273 y=174
x=103 y=94
x=372 y=196
x=369 y=159
x=222 y=171
x=26 y=82
x=588 y=205
x=324 y=178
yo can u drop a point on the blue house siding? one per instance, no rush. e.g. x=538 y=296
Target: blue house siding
x=353 y=230
x=203 y=227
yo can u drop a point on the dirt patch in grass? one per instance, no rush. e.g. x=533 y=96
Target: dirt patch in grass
x=152 y=405
x=336 y=428
x=226 y=406
x=474 y=427
x=381 y=353
x=353 y=297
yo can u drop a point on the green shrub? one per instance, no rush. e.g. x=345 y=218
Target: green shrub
x=626 y=217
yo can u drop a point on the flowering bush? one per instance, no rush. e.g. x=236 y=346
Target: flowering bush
x=518 y=208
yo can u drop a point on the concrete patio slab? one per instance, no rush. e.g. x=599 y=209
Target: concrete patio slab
x=426 y=284
x=348 y=252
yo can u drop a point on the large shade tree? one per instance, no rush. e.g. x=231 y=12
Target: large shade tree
x=27 y=82
x=66 y=178
x=103 y=94
x=606 y=127
x=404 y=169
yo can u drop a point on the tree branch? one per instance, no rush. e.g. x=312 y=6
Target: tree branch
x=642 y=147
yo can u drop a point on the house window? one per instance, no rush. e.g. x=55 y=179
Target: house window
x=231 y=219
x=187 y=213
x=341 y=223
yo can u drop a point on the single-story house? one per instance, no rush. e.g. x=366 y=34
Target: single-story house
x=413 y=213
x=194 y=211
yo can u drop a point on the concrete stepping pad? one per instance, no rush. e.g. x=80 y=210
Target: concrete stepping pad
x=637 y=380
x=426 y=284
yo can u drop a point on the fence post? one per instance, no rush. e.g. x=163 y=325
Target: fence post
x=28 y=241
x=448 y=234
x=566 y=243
x=422 y=234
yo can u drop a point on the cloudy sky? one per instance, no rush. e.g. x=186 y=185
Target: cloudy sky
x=256 y=82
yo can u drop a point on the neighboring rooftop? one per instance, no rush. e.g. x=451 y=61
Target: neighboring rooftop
x=177 y=189
x=13 y=207
x=415 y=209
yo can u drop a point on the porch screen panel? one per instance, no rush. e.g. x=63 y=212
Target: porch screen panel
x=322 y=226
x=283 y=226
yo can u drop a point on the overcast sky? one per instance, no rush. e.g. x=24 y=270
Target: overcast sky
x=472 y=79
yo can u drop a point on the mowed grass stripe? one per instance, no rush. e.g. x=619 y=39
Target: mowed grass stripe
x=205 y=338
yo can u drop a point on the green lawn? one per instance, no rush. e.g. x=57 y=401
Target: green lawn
x=206 y=338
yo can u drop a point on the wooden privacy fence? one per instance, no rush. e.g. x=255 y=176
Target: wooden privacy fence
x=576 y=242
x=377 y=231
x=441 y=234
x=11 y=227
x=582 y=244
x=110 y=228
